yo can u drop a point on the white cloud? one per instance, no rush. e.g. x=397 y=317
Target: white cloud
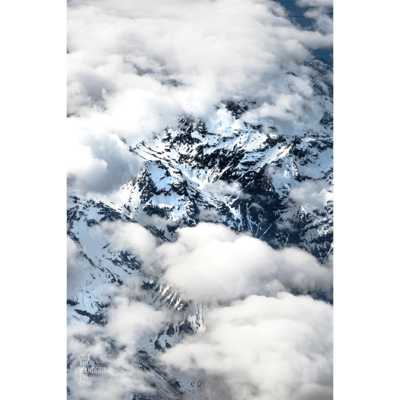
x=323 y=22
x=76 y=269
x=312 y=193
x=122 y=55
x=98 y=160
x=286 y=338
x=114 y=345
x=134 y=238
x=224 y=188
x=211 y=263
x=314 y=3
x=262 y=349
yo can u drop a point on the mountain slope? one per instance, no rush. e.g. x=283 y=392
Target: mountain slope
x=257 y=179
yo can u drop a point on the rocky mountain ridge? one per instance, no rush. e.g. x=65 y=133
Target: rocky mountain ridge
x=229 y=172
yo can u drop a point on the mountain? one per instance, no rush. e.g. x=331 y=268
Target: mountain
x=277 y=186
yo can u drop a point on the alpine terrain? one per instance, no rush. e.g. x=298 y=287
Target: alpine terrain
x=273 y=184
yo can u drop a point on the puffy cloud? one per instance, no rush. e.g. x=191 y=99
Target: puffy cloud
x=135 y=66
x=319 y=12
x=211 y=263
x=323 y=22
x=99 y=161
x=114 y=346
x=312 y=193
x=134 y=238
x=224 y=188
x=76 y=273
x=262 y=349
x=72 y=256
x=283 y=337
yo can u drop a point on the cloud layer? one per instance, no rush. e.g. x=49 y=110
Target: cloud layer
x=135 y=66
x=211 y=263
x=254 y=327
x=312 y=193
x=114 y=346
x=262 y=349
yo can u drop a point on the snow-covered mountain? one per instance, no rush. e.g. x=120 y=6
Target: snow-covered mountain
x=256 y=179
